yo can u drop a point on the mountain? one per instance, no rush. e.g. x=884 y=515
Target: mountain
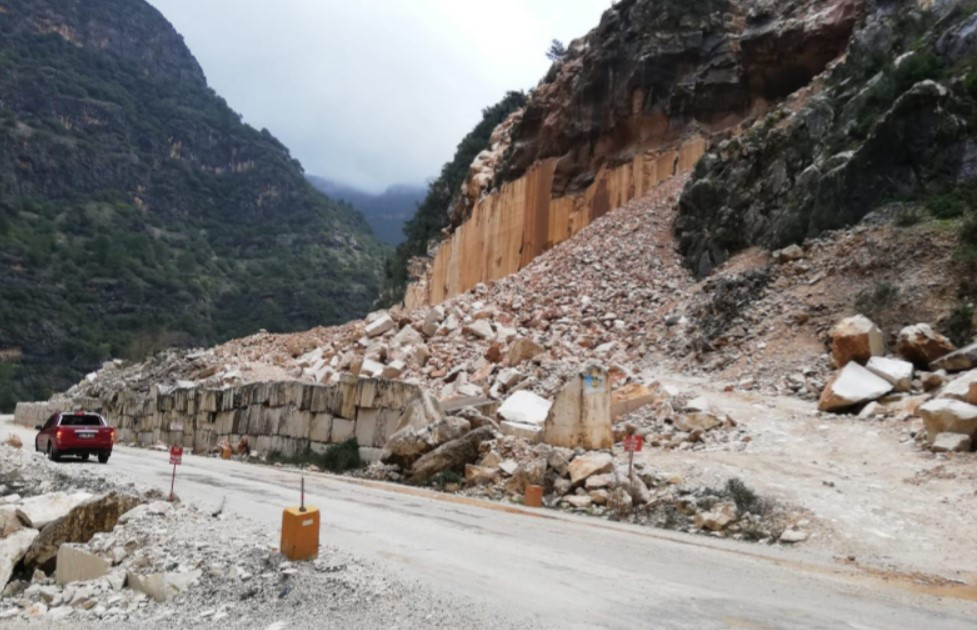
x=386 y=212
x=137 y=211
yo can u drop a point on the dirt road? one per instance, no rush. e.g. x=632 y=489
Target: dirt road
x=557 y=570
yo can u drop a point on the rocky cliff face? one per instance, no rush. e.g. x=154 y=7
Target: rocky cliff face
x=633 y=102
x=892 y=121
x=137 y=211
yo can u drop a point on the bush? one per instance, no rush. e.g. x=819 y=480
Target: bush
x=745 y=498
x=339 y=458
x=960 y=325
x=908 y=217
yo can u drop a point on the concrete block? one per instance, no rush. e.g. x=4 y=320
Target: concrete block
x=320 y=427
x=294 y=423
x=366 y=426
x=366 y=391
x=75 y=564
x=342 y=430
x=370 y=455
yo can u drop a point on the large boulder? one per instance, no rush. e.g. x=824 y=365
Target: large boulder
x=856 y=339
x=922 y=345
x=452 y=455
x=380 y=325
x=896 y=371
x=580 y=417
x=12 y=549
x=963 y=388
x=700 y=415
x=422 y=410
x=45 y=508
x=522 y=349
x=406 y=445
x=851 y=386
x=78 y=526
x=12 y=520
x=529 y=473
x=588 y=464
x=962 y=359
x=945 y=415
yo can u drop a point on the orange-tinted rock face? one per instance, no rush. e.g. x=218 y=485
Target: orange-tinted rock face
x=511 y=226
x=634 y=102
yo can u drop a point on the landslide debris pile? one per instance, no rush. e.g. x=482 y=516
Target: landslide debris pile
x=123 y=557
x=930 y=379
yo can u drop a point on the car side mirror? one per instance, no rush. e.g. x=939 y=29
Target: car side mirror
x=38 y=427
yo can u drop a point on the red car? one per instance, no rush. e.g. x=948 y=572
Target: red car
x=75 y=433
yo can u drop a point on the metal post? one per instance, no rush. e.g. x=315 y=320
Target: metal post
x=172 y=482
x=302 y=505
x=631 y=466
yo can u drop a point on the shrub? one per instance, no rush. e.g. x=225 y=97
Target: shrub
x=908 y=217
x=875 y=302
x=745 y=498
x=960 y=325
x=339 y=458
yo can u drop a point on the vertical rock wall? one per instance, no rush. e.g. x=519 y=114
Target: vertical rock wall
x=511 y=226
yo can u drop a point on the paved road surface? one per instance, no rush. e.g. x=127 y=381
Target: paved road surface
x=556 y=570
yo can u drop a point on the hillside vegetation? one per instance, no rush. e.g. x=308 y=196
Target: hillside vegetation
x=137 y=211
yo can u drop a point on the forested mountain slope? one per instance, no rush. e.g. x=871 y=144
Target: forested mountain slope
x=137 y=210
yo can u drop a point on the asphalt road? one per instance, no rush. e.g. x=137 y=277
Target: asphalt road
x=558 y=570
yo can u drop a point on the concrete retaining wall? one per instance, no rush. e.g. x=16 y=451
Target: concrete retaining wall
x=286 y=417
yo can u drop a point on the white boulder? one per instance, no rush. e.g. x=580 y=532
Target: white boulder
x=852 y=385
x=896 y=371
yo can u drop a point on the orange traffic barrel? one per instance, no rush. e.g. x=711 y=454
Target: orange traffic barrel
x=534 y=496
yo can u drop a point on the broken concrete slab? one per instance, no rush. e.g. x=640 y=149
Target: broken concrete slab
x=851 y=386
x=525 y=407
x=855 y=339
x=76 y=564
x=44 y=509
x=100 y=514
x=896 y=371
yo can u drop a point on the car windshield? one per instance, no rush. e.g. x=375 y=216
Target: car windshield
x=87 y=420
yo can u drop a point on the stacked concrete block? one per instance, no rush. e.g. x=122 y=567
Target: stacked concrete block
x=285 y=417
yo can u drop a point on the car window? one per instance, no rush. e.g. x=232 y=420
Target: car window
x=51 y=421
x=86 y=420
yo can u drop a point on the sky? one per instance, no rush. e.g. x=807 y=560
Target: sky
x=372 y=93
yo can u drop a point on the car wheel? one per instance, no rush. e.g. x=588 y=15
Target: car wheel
x=52 y=453
x=84 y=457
x=103 y=458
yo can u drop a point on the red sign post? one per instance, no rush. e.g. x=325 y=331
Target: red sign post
x=632 y=445
x=176 y=458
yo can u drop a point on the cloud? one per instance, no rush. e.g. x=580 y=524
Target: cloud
x=373 y=92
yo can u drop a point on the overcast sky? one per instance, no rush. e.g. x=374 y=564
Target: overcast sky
x=373 y=92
